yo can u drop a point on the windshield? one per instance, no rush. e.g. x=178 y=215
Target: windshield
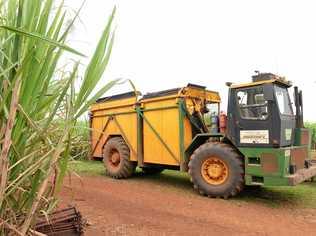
x=283 y=99
x=252 y=104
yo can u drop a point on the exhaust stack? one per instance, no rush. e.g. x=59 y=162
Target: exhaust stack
x=298 y=97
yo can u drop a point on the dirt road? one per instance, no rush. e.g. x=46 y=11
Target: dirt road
x=166 y=205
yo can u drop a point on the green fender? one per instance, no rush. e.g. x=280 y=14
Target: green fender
x=197 y=141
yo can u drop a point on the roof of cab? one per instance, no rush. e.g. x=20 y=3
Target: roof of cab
x=260 y=83
x=264 y=78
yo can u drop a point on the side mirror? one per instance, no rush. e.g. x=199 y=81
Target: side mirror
x=268 y=92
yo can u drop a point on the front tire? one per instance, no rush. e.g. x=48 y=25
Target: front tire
x=217 y=170
x=116 y=159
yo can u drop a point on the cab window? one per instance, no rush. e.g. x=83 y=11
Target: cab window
x=283 y=99
x=252 y=104
x=212 y=109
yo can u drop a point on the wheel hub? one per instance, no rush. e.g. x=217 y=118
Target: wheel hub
x=115 y=158
x=214 y=171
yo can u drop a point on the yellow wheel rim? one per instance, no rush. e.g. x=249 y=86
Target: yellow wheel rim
x=214 y=171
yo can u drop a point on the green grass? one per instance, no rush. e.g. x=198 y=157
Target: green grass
x=87 y=167
x=298 y=197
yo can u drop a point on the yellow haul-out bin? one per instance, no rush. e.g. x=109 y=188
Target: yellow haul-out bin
x=157 y=129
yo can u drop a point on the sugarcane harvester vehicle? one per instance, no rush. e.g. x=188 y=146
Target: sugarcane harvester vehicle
x=260 y=142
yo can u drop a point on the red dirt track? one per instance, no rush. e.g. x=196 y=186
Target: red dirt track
x=146 y=206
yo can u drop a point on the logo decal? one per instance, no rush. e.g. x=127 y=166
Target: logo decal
x=254 y=136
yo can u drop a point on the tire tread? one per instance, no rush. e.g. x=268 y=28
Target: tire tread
x=128 y=167
x=234 y=156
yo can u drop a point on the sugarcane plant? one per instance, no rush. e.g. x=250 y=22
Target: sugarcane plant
x=40 y=105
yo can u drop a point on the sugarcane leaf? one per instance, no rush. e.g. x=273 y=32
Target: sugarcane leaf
x=97 y=95
x=95 y=69
x=61 y=97
x=41 y=38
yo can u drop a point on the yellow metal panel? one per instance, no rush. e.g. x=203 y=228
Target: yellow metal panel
x=159 y=103
x=127 y=122
x=187 y=133
x=111 y=104
x=117 y=110
x=97 y=127
x=166 y=123
x=160 y=99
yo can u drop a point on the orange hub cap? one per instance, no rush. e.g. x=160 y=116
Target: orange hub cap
x=115 y=158
x=214 y=171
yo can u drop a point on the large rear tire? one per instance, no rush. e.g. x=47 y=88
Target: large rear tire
x=217 y=170
x=116 y=159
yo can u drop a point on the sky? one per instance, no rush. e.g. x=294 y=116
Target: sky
x=166 y=44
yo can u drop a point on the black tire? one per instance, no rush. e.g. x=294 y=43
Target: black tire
x=233 y=180
x=116 y=159
x=152 y=170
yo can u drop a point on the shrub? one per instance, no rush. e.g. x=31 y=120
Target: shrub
x=312 y=127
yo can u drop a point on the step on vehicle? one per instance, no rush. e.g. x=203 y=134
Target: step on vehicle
x=260 y=141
